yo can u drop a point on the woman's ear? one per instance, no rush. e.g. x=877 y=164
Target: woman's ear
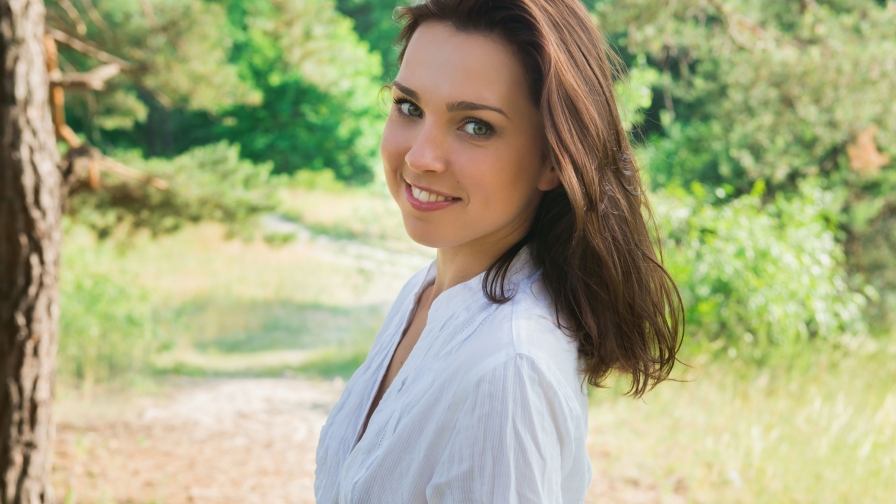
x=549 y=180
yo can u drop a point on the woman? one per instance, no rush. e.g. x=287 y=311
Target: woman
x=505 y=152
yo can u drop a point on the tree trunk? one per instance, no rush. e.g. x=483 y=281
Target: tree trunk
x=31 y=197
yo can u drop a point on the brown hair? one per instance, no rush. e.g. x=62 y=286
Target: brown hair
x=590 y=236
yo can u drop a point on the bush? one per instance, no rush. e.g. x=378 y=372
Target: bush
x=205 y=183
x=106 y=327
x=758 y=276
x=322 y=180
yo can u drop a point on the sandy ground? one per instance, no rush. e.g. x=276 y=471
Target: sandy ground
x=215 y=441
x=223 y=441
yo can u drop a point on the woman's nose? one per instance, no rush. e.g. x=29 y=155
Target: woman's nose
x=428 y=152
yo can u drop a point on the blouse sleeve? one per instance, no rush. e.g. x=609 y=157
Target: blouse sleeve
x=511 y=443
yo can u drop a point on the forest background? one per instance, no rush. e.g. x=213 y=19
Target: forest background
x=766 y=132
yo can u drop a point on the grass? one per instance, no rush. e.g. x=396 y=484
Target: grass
x=223 y=307
x=367 y=215
x=231 y=327
x=819 y=427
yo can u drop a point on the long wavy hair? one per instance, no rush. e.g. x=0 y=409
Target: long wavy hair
x=592 y=235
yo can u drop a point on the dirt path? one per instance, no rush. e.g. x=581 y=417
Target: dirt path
x=210 y=441
x=224 y=441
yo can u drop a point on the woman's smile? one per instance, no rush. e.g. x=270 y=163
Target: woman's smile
x=427 y=200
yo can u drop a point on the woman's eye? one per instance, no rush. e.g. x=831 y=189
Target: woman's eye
x=408 y=108
x=477 y=128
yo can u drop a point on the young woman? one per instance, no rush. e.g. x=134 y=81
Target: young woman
x=505 y=152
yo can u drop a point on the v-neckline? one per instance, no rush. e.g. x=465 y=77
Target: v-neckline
x=428 y=281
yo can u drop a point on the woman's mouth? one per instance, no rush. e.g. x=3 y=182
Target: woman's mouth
x=427 y=200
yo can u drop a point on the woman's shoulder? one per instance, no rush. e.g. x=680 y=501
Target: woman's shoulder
x=524 y=333
x=536 y=332
x=534 y=325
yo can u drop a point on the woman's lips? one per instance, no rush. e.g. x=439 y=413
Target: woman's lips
x=427 y=201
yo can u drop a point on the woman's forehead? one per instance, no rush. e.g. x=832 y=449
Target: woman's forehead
x=442 y=63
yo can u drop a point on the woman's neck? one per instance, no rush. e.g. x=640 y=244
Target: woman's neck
x=456 y=265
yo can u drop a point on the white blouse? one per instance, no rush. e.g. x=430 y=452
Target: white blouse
x=489 y=407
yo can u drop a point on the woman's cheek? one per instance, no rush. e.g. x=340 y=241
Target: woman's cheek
x=393 y=155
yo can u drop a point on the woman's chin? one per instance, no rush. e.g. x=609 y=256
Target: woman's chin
x=426 y=239
x=428 y=235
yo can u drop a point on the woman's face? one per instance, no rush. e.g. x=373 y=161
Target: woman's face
x=463 y=145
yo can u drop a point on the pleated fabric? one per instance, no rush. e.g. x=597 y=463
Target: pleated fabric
x=490 y=406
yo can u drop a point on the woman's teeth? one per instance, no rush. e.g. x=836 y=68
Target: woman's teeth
x=427 y=197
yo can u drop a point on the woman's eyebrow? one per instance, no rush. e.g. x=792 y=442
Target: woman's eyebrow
x=465 y=106
x=469 y=106
x=406 y=90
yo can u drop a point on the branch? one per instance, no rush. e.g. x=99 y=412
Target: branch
x=67 y=134
x=117 y=168
x=94 y=79
x=94 y=15
x=57 y=96
x=74 y=15
x=85 y=162
x=87 y=48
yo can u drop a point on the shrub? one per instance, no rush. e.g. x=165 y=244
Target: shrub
x=756 y=276
x=106 y=327
x=210 y=182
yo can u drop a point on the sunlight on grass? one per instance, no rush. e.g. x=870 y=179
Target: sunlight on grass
x=228 y=307
x=818 y=431
x=341 y=362
x=368 y=215
x=229 y=327
x=200 y=262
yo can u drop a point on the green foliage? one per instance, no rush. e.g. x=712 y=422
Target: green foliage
x=320 y=83
x=634 y=94
x=106 y=328
x=307 y=39
x=779 y=92
x=764 y=89
x=757 y=277
x=290 y=81
x=206 y=183
x=120 y=108
x=323 y=180
x=373 y=22
x=176 y=50
x=302 y=128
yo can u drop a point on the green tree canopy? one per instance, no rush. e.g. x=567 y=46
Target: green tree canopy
x=175 y=51
x=290 y=81
x=763 y=89
x=374 y=23
x=775 y=92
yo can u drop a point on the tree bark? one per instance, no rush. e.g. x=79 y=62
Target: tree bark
x=31 y=197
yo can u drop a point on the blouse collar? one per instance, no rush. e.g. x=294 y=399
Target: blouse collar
x=522 y=267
